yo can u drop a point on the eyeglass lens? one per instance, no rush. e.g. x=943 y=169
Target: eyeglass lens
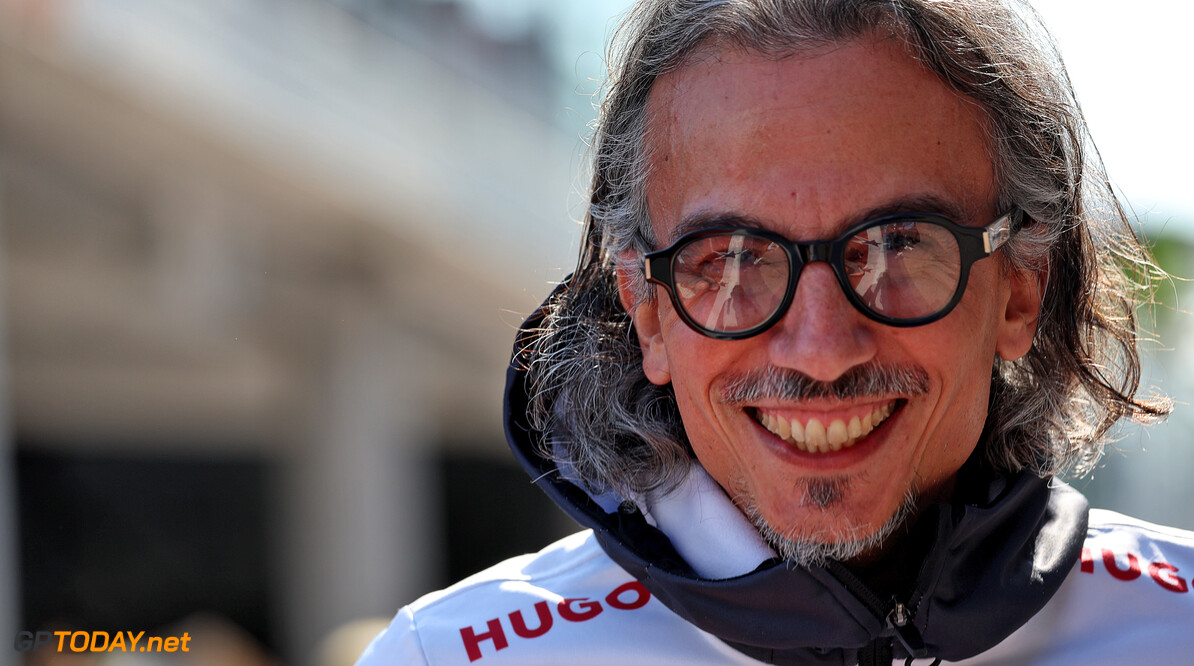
x=735 y=281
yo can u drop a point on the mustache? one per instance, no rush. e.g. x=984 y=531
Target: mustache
x=861 y=381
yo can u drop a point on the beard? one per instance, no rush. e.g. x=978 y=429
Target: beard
x=809 y=548
x=798 y=544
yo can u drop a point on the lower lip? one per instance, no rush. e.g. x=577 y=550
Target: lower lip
x=832 y=460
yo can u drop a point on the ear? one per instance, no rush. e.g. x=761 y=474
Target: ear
x=645 y=315
x=1021 y=314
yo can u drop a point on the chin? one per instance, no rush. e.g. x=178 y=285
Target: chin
x=843 y=541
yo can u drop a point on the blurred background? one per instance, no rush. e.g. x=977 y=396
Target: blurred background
x=261 y=263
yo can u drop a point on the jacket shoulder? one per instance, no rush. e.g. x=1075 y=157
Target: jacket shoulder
x=1129 y=599
x=495 y=587
x=568 y=603
x=570 y=559
x=1114 y=528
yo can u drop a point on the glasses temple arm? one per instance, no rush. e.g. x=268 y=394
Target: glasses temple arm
x=997 y=233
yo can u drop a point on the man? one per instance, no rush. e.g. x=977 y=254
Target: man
x=850 y=297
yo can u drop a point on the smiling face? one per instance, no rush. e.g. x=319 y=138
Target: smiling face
x=805 y=147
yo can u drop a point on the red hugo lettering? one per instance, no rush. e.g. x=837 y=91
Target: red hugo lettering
x=628 y=596
x=1163 y=573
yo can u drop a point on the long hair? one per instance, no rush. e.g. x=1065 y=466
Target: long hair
x=1049 y=411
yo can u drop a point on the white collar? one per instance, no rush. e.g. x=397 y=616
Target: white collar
x=705 y=527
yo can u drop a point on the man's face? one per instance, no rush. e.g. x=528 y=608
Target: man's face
x=806 y=146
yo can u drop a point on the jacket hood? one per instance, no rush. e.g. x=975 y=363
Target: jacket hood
x=993 y=561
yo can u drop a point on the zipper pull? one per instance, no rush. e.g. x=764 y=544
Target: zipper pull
x=900 y=621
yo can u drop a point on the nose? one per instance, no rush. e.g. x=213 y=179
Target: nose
x=821 y=335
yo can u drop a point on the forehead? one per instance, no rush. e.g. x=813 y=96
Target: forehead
x=810 y=143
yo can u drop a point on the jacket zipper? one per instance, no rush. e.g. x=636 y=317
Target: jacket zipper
x=900 y=620
x=895 y=615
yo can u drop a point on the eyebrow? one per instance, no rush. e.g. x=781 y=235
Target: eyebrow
x=915 y=203
x=714 y=220
x=912 y=203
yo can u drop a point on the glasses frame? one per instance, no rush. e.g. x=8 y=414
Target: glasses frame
x=974 y=243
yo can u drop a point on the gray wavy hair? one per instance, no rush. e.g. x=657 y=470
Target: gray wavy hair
x=1049 y=411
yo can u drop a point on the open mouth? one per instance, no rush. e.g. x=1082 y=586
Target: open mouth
x=815 y=436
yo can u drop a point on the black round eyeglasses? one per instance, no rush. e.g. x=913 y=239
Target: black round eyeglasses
x=907 y=269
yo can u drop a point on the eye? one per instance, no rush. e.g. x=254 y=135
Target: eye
x=900 y=237
x=713 y=256
x=736 y=261
x=739 y=256
x=710 y=270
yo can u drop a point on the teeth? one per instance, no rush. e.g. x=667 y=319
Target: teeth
x=836 y=434
x=814 y=436
x=817 y=437
x=783 y=428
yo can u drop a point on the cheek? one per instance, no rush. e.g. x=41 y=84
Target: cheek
x=967 y=413
x=683 y=354
x=697 y=365
x=693 y=378
x=961 y=367
x=706 y=434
